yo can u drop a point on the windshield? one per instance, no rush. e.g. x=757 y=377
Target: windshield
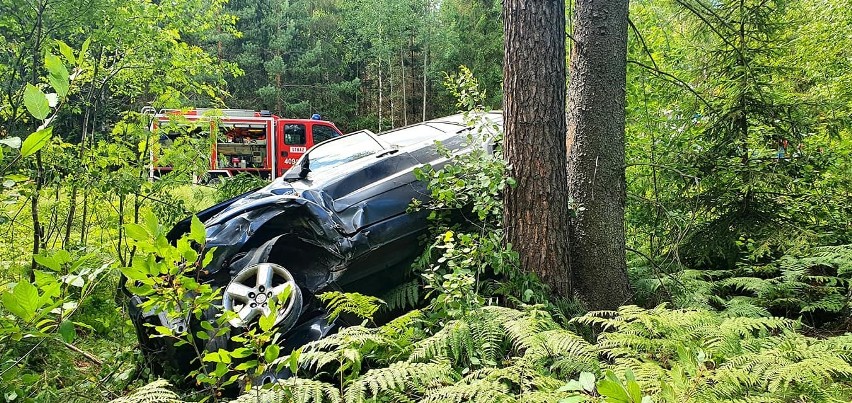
x=341 y=151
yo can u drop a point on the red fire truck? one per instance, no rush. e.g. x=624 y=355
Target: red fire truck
x=241 y=140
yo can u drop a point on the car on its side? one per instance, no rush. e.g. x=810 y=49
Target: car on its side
x=338 y=219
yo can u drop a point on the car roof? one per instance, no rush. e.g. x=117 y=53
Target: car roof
x=431 y=129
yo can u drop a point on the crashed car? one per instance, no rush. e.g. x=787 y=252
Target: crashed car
x=338 y=219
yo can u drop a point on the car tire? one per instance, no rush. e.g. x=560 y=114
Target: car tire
x=242 y=270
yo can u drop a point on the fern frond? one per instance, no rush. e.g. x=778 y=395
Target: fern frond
x=523 y=330
x=750 y=327
x=362 y=306
x=454 y=341
x=480 y=390
x=787 y=364
x=744 y=306
x=297 y=390
x=345 y=348
x=398 y=377
x=154 y=392
x=405 y=295
x=750 y=284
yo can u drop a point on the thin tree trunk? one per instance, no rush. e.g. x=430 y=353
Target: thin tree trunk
x=380 y=95
x=404 y=96
x=122 y=257
x=38 y=229
x=536 y=214
x=390 y=93
x=425 y=55
x=595 y=143
x=423 y=117
x=84 y=216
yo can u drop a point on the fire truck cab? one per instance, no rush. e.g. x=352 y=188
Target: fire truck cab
x=241 y=140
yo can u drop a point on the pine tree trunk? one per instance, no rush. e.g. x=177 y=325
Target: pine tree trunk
x=536 y=212
x=596 y=102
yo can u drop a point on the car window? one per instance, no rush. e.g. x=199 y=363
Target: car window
x=294 y=134
x=323 y=133
x=338 y=152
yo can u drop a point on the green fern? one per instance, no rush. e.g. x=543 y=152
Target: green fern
x=405 y=295
x=786 y=365
x=346 y=350
x=479 y=390
x=154 y=392
x=524 y=355
x=362 y=306
x=398 y=377
x=295 y=390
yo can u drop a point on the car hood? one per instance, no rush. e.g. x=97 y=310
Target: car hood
x=276 y=192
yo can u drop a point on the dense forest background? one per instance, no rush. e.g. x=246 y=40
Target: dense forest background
x=738 y=167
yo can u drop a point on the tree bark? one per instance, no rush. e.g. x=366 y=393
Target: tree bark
x=595 y=143
x=536 y=211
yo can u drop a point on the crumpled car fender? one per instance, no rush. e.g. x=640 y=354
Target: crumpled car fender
x=295 y=232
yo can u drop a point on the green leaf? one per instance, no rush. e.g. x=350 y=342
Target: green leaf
x=271 y=352
x=152 y=223
x=62 y=256
x=587 y=381
x=197 y=231
x=58 y=77
x=83 y=50
x=36 y=141
x=294 y=360
x=138 y=270
x=23 y=300
x=211 y=357
x=67 y=331
x=572 y=385
x=573 y=399
x=208 y=257
x=47 y=261
x=246 y=365
x=241 y=352
x=267 y=321
x=36 y=102
x=66 y=52
x=11 y=142
x=613 y=391
x=137 y=232
x=164 y=331
x=634 y=391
